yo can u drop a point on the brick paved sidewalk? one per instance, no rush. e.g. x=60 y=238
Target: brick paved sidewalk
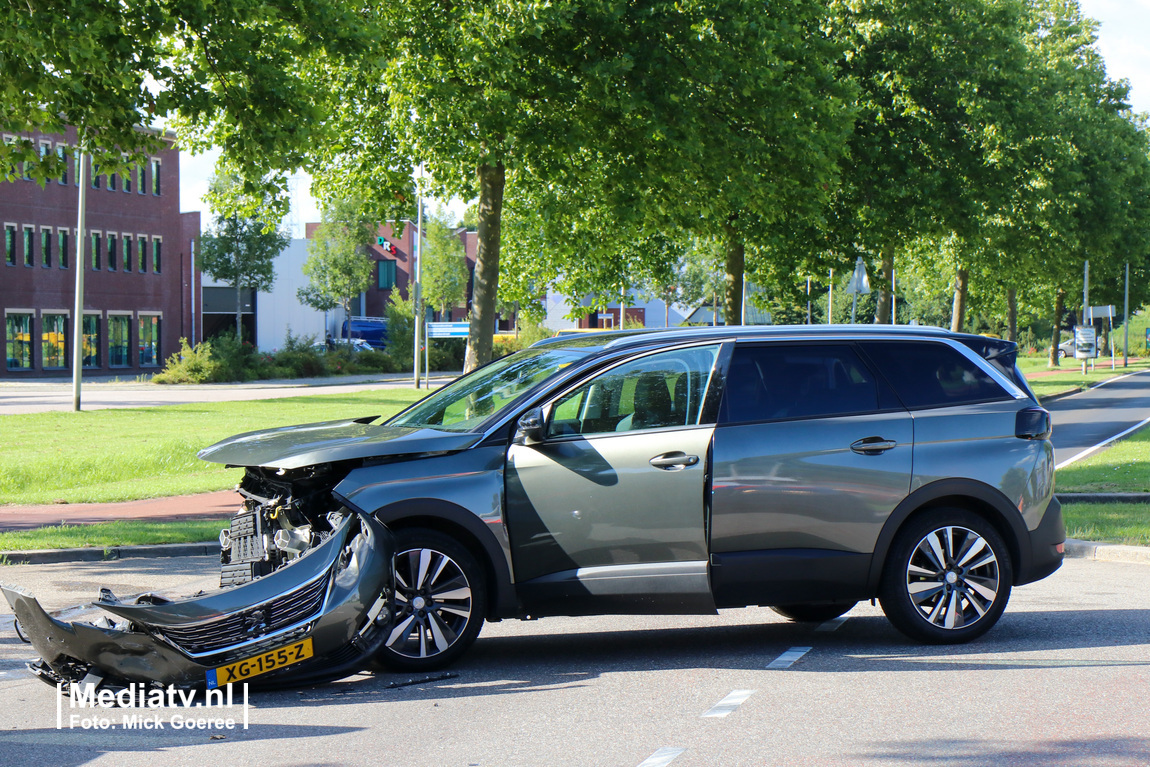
x=202 y=506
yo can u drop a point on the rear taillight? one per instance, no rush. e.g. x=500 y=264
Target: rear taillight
x=1032 y=423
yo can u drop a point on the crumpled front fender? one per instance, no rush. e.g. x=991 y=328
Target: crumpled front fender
x=154 y=645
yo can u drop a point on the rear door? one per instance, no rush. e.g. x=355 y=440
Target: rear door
x=811 y=455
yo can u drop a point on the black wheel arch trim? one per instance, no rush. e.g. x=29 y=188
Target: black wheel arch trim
x=958 y=492
x=443 y=516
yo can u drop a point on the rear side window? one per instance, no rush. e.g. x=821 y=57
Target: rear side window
x=926 y=374
x=780 y=381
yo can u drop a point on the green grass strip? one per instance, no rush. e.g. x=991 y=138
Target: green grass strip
x=109 y=534
x=1127 y=523
x=127 y=454
x=1124 y=467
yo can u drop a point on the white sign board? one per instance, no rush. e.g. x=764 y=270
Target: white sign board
x=859 y=283
x=447 y=329
x=1085 y=342
x=1099 y=312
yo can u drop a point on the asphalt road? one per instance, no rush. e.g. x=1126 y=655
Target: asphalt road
x=1088 y=418
x=1062 y=680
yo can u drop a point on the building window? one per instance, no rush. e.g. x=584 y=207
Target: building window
x=95 y=176
x=111 y=252
x=386 y=274
x=118 y=341
x=29 y=244
x=157 y=246
x=142 y=252
x=149 y=340
x=18 y=331
x=91 y=350
x=127 y=251
x=53 y=337
x=62 y=153
x=62 y=240
x=156 y=176
x=140 y=179
x=111 y=182
x=10 y=244
x=128 y=175
x=46 y=248
x=95 y=250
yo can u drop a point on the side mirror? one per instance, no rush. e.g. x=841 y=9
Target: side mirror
x=530 y=429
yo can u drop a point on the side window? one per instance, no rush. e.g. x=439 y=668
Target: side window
x=780 y=381
x=927 y=374
x=652 y=392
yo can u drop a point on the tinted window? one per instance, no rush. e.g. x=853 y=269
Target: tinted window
x=779 y=381
x=652 y=392
x=926 y=374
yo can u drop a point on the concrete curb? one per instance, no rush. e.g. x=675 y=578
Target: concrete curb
x=1103 y=498
x=1107 y=552
x=93 y=554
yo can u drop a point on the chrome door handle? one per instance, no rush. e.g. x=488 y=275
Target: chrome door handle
x=674 y=461
x=872 y=445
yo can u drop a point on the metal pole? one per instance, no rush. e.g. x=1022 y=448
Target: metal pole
x=417 y=299
x=1126 y=319
x=831 y=296
x=78 y=310
x=808 y=300
x=192 y=290
x=1085 y=304
x=893 y=304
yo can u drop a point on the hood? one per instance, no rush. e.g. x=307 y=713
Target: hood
x=293 y=447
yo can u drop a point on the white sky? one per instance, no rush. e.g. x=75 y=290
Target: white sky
x=1124 y=28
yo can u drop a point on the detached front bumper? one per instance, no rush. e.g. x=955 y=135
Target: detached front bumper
x=337 y=594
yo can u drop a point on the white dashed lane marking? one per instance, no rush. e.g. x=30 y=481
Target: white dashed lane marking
x=789 y=657
x=662 y=757
x=728 y=704
x=832 y=624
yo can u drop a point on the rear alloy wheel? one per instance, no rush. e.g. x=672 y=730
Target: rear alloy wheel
x=947 y=579
x=813 y=613
x=440 y=602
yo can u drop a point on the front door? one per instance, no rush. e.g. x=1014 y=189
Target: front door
x=608 y=512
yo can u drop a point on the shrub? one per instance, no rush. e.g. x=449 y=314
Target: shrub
x=190 y=365
x=237 y=359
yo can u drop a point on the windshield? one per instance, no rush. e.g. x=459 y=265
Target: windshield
x=472 y=399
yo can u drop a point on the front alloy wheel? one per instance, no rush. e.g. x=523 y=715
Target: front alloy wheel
x=948 y=579
x=440 y=602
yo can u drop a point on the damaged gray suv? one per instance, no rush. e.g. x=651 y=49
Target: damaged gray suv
x=674 y=472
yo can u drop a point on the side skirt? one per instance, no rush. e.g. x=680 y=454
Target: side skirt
x=788 y=576
x=662 y=588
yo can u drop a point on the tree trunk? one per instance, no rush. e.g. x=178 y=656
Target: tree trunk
x=883 y=311
x=736 y=259
x=1012 y=315
x=958 y=312
x=492 y=179
x=1056 y=338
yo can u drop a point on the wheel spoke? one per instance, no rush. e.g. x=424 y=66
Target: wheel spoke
x=953 y=616
x=983 y=561
x=440 y=632
x=913 y=569
x=978 y=545
x=459 y=593
x=424 y=563
x=986 y=592
x=399 y=630
x=934 y=550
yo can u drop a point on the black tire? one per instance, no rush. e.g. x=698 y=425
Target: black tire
x=440 y=602
x=947 y=577
x=813 y=613
x=1061 y=353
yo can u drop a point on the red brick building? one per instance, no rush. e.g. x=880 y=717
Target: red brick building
x=139 y=280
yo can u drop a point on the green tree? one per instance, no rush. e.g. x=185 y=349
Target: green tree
x=236 y=74
x=241 y=250
x=338 y=266
x=443 y=271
